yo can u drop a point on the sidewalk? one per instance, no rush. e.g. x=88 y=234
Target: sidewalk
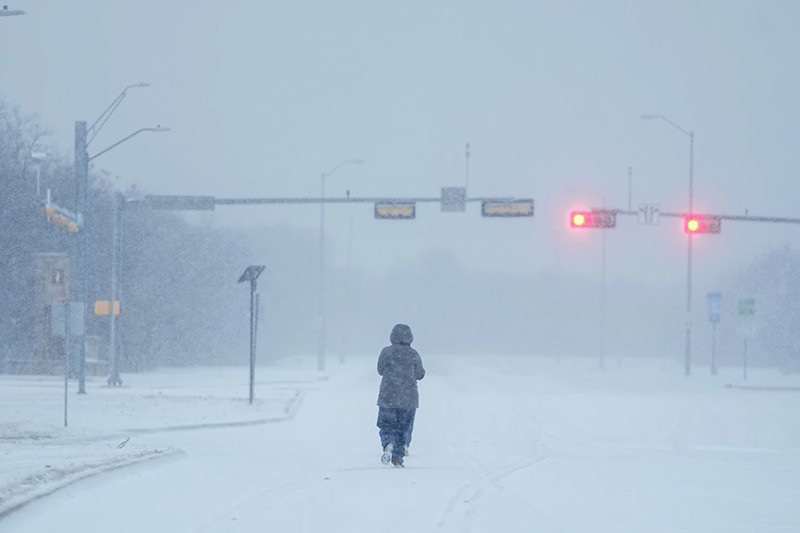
x=109 y=426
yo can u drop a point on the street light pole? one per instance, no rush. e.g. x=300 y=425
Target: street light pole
x=322 y=286
x=687 y=362
x=114 y=378
x=81 y=171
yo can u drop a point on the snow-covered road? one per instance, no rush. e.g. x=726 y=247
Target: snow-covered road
x=500 y=444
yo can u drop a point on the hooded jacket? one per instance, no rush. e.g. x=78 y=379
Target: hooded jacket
x=401 y=367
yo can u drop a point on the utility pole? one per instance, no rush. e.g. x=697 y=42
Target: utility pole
x=80 y=270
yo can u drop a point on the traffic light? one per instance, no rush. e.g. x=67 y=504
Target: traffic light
x=701 y=224
x=595 y=218
x=62 y=217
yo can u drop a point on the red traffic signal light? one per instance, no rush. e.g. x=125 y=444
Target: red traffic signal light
x=701 y=224
x=593 y=219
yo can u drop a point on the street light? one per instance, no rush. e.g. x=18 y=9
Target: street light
x=323 y=325
x=688 y=355
x=82 y=159
x=156 y=129
x=98 y=124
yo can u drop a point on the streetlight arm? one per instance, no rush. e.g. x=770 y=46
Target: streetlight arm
x=157 y=129
x=649 y=116
x=343 y=163
x=105 y=115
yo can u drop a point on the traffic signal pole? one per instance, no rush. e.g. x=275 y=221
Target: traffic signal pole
x=687 y=364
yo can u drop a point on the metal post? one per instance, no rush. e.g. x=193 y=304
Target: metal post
x=603 y=302
x=349 y=296
x=252 y=339
x=80 y=270
x=258 y=316
x=688 y=357
x=322 y=318
x=114 y=378
x=713 y=348
x=745 y=358
x=467 y=153
x=66 y=360
x=38 y=181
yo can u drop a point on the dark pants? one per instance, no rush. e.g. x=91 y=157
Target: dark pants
x=394 y=425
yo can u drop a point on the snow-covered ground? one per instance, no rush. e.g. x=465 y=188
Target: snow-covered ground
x=500 y=444
x=38 y=454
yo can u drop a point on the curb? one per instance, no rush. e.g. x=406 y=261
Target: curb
x=23 y=501
x=768 y=388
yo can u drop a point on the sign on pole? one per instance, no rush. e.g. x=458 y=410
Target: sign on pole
x=747 y=307
x=105 y=307
x=747 y=312
x=714 y=307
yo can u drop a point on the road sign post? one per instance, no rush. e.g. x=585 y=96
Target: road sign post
x=714 y=316
x=747 y=312
x=251 y=274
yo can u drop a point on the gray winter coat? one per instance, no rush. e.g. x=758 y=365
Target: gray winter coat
x=401 y=368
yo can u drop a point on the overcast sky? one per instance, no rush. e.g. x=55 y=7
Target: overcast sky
x=264 y=96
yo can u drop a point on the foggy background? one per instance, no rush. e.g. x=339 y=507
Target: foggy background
x=262 y=98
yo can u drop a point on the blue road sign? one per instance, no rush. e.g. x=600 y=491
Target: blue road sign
x=714 y=307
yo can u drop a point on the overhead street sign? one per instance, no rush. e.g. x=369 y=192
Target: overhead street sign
x=180 y=203
x=395 y=210
x=454 y=199
x=649 y=214
x=507 y=208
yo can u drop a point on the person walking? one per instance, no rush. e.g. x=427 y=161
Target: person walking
x=400 y=367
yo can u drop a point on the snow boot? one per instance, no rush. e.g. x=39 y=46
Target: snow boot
x=398 y=463
x=386 y=458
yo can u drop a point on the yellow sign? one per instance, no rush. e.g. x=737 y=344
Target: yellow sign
x=104 y=307
x=396 y=210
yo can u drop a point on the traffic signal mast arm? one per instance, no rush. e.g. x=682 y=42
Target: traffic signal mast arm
x=693 y=222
